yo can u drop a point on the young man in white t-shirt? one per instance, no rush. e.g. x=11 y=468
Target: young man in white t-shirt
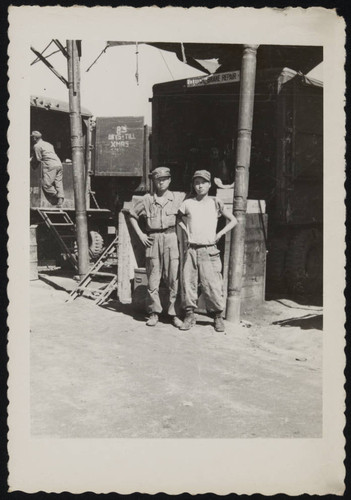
x=199 y=217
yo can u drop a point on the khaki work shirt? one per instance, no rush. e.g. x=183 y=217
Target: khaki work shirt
x=45 y=154
x=160 y=213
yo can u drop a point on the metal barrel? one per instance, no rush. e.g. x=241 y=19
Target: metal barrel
x=33 y=261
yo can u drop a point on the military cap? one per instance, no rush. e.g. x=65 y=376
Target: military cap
x=204 y=174
x=35 y=133
x=161 y=172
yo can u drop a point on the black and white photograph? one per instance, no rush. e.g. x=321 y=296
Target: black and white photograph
x=177 y=220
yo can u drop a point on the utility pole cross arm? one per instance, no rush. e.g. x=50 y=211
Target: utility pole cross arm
x=50 y=66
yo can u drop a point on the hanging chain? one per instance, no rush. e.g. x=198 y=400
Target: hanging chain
x=137 y=63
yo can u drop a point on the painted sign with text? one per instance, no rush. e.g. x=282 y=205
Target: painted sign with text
x=201 y=81
x=119 y=146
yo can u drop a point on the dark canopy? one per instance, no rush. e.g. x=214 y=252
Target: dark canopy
x=297 y=57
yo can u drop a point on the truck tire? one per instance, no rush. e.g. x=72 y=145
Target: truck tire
x=96 y=245
x=276 y=258
x=304 y=264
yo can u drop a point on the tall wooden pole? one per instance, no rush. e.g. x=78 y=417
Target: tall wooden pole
x=77 y=157
x=237 y=246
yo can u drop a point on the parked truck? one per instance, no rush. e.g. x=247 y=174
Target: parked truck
x=195 y=126
x=116 y=151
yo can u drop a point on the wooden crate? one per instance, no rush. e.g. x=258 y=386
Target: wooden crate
x=130 y=253
x=254 y=272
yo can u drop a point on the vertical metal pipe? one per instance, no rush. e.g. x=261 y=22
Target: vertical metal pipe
x=237 y=246
x=77 y=157
x=88 y=160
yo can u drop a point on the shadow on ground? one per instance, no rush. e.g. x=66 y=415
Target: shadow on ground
x=308 y=322
x=138 y=315
x=128 y=309
x=54 y=285
x=56 y=272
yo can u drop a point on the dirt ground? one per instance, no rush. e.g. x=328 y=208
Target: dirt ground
x=100 y=372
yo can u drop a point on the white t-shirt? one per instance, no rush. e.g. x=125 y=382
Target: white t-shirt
x=201 y=219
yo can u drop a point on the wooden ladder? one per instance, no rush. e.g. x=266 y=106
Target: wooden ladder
x=63 y=228
x=100 y=294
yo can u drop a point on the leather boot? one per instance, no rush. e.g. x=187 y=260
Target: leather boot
x=153 y=320
x=189 y=320
x=219 y=323
x=176 y=321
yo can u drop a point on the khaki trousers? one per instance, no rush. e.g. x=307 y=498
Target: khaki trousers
x=162 y=261
x=203 y=267
x=52 y=181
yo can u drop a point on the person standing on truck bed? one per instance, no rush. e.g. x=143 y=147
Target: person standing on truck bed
x=202 y=264
x=160 y=242
x=44 y=154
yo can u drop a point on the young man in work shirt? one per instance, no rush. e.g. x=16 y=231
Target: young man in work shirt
x=199 y=217
x=160 y=242
x=51 y=168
